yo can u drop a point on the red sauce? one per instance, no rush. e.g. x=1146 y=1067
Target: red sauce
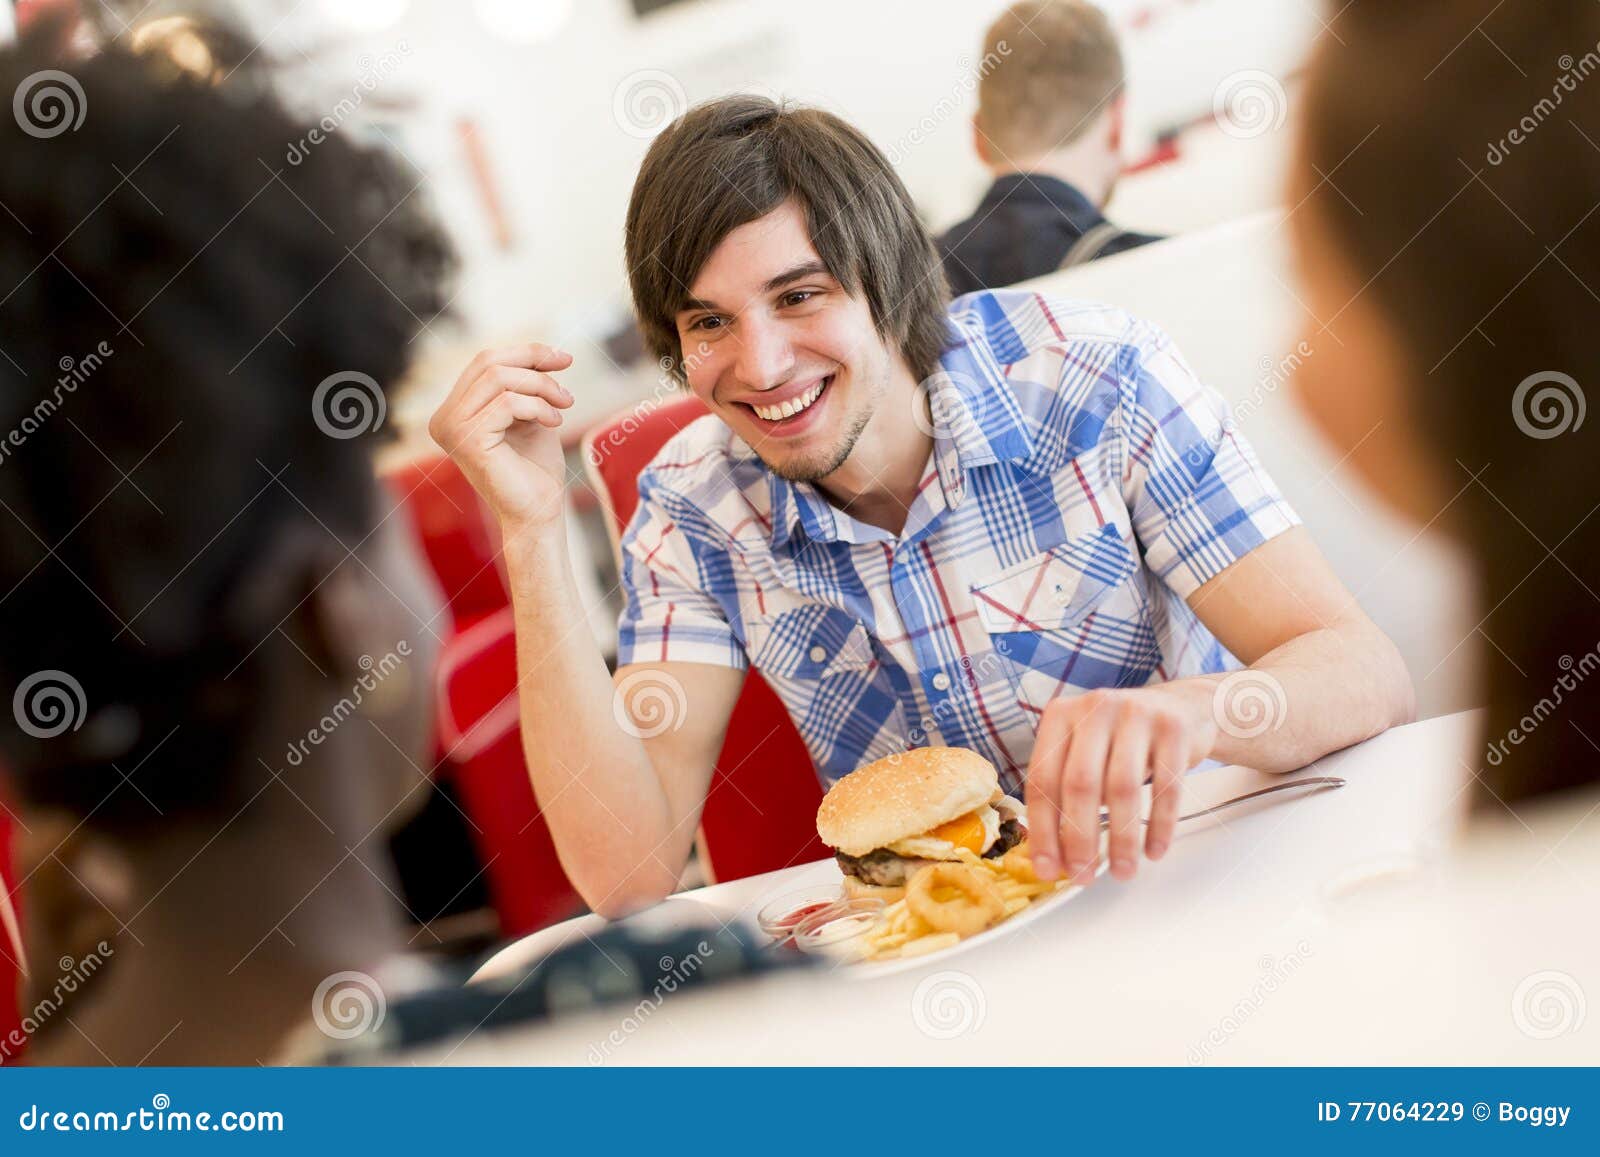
x=791 y=920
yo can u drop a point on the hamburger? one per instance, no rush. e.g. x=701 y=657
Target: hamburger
x=889 y=818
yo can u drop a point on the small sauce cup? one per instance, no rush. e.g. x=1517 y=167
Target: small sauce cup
x=840 y=932
x=780 y=917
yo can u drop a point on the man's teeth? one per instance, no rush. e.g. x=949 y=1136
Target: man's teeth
x=790 y=408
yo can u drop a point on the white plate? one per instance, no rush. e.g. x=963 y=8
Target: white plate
x=828 y=872
x=1032 y=912
x=674 y=914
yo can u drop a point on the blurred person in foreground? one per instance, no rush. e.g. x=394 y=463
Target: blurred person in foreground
x=1446 y=187
x=1049 y=128
x=1018 y=525
x=198 y=570
x=1462 y=298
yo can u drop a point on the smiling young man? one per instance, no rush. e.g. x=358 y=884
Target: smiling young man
x=1017 y=525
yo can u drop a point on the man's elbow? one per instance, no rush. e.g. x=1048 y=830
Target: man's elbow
x=1399 y=693
x=615 y=899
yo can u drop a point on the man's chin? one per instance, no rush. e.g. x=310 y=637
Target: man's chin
x=806 y=466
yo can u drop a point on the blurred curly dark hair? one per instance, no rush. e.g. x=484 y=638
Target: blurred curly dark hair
x=173 y=293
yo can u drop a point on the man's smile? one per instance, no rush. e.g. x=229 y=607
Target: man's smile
x=791 y=409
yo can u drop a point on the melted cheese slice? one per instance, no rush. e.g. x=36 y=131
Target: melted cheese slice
x=974 y=831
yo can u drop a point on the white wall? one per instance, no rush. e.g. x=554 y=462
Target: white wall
x=901 y=69
x=1224 y=296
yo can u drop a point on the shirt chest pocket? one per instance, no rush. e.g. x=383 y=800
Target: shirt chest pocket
x=820 y=662
x=1070 y=618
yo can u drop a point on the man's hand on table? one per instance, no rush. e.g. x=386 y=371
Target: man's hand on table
x=1099 y=749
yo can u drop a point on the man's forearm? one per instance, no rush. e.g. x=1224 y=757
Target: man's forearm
x=604 y=804
x=1317 y=693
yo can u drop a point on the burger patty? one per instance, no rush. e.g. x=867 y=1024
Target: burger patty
x=889 y=869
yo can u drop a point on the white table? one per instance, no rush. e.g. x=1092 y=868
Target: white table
x=1334 y=927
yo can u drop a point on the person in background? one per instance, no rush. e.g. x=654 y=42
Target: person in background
x=198 y=573
x=1049 y=127
x=1459 y=303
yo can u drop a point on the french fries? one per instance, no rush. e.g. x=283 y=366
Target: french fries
x=901 y=933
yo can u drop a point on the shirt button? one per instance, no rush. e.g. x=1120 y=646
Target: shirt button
x=818 y=654
x=941 y=681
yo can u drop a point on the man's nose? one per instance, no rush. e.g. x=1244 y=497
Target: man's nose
x=766 y=358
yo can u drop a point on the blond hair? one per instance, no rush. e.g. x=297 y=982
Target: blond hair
x=1062 y=67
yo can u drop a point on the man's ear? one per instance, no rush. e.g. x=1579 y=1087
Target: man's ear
x=78 y=897
x=980 y=142
x=1116 y=114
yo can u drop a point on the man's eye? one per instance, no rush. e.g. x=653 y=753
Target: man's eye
x=799 y=296
x=706 y=323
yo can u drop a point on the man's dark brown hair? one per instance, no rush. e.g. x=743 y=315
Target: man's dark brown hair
x=732 y=161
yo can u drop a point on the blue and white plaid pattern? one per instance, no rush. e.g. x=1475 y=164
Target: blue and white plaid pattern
x=1082 y=485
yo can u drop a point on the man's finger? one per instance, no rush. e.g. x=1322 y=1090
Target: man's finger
x=497 y=380
x=1168 y=762
x=1082 y=784
x=529 y=356
x=1125 y=768
x=1041 y=792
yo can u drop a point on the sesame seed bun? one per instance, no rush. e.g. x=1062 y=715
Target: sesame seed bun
x=904 y=795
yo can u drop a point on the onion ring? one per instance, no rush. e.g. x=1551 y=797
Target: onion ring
x=978 y=906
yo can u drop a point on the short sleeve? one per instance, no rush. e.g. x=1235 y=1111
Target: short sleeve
x=668 y=614
x=1199 y=499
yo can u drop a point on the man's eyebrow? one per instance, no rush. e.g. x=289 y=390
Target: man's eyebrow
x=798 y=272
x=792 y=274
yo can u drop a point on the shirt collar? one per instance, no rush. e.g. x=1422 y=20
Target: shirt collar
x=972 y=403
x=975 y=421
x=800 y=503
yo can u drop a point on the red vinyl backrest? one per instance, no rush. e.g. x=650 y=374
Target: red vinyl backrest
x=761 y=811
x=478 y=741
x=10 y=945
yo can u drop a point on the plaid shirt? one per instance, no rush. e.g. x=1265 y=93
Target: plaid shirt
x=1082 y=484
